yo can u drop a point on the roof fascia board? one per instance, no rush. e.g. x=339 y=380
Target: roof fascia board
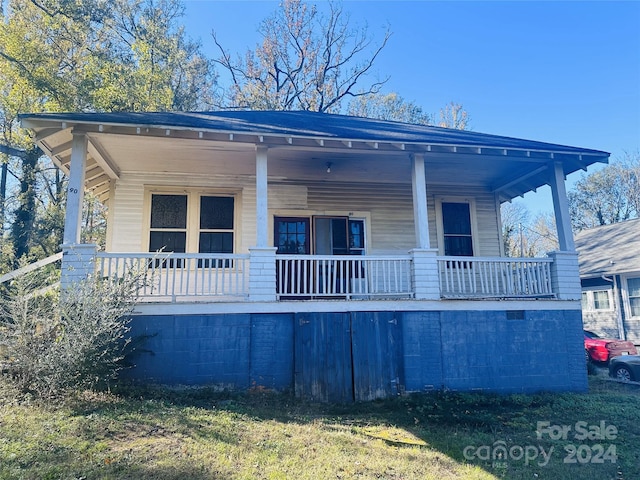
x=258 y=137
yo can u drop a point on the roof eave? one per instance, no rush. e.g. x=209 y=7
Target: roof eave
x=52 y=125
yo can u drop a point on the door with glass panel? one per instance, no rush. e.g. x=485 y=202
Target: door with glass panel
x=339 y=236
x=292 y=236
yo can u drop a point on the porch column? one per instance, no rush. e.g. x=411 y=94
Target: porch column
x=262 y=262
x=424 y=273
x=75 y=189
x=424 y=263
x=565 y=275
x=262 y=274
x=561 y=208
x=262 y=204
x=419 y=187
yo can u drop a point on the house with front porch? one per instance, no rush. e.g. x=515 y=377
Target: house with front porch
x=343 y=258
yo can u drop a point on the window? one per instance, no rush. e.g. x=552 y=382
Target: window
x=216 y=225
x=601 y=300
x=291 y=235
x=191 y=223
x=456 y=229
x=168 y=223
x=633 y=284
x=356 y=237
x=594 y=300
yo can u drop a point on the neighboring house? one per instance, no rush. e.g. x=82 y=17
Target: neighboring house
x=340 y=257
x=609 y=258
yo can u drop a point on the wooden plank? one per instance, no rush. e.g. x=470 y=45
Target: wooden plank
x=30 y=268
x=377 y=355
x=323 y=370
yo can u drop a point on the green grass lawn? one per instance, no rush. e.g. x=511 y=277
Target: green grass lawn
x=199 y=434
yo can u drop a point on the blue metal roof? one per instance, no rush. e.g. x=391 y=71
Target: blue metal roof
x=314 y=125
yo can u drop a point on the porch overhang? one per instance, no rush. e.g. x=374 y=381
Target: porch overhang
x=170 y=142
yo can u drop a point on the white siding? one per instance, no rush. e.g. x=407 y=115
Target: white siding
x=487 y=243
x=129 y=222
x=389 y=206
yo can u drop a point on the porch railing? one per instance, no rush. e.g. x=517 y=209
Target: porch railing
x=174 y=275
x=182 y=276
x=464 y=277
x=350 y=277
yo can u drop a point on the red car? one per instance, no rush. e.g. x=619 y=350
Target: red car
x=600 y=350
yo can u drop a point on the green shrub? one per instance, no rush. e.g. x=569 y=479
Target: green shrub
x=53 y=342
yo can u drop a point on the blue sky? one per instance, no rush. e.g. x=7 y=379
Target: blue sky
x=561 y=72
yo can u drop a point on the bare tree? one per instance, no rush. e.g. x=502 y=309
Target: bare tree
x=630 y=176
x=390 y=106
x=513 y=216
x=541 y=235
x=306 y=61
x=524 y=237
x=453 y=115
x=606 y=196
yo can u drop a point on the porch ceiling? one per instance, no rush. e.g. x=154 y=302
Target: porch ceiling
x=300 y=145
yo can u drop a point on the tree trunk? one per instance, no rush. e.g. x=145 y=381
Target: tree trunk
x=23 y=226
x=3 y=192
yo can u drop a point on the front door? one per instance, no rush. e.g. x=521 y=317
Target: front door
x=339 y=236
x=332 y=236
x=292 y=236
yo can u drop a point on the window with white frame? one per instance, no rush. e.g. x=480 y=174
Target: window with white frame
x=601 y=300
x=191 y=222
x=597 y=300
x=456 y=226
x=633 y=290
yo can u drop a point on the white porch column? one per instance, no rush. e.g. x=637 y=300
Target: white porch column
x=561 y=208
x=262 y=274
x=424 y=264
x=262 y=204
x=262 y=266
x=75 y=190
x=424 y=274
x=565 y=275
x=419 y=188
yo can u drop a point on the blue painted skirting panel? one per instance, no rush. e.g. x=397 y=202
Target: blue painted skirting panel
x=513 y=351
x=201 y=349
x=502 y=351
x=272 y=351
x=422 y=351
